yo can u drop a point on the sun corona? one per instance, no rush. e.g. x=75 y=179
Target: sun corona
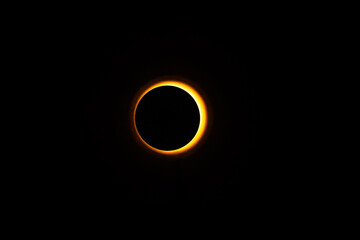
x=202 y=111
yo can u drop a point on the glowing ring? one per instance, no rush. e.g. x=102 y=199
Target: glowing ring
x=202 y=110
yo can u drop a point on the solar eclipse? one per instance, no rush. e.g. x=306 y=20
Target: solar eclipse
x=169 y=117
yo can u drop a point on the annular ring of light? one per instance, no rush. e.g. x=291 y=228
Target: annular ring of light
x=202 y=111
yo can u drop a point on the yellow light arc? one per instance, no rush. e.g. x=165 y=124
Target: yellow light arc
x=202 y=110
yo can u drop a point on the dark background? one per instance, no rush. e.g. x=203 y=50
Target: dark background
x=247 y=72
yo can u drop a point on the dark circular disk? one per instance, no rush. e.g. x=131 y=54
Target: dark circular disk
x=167 y=118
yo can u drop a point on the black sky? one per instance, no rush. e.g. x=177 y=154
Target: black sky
x=96 y=70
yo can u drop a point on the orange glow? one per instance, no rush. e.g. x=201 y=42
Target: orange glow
x=202 y=110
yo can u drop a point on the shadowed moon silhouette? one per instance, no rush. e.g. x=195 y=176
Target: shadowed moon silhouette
x=170 y=117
